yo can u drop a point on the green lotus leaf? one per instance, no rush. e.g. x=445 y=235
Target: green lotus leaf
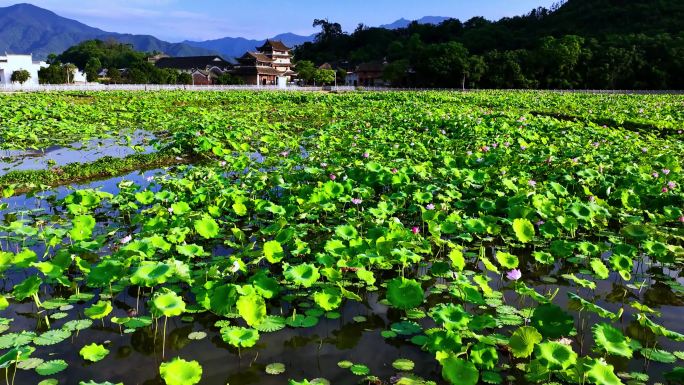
x=599 y=268
x=611 y=340
x=52 y=337
x=49 y=368
x=457 y=259
x=271 y=324
x=524 y=230
x=638 y=232
x=403 y=364
x=180 y=208
x=180 y=372
x=273 y=251
x=265 y=286
x=99 y=310
x=459 y=371
x=83 y=226
x=600 y=373
x=555 y=356
x=304 y=275
x=523 y=341
x=346 y=232
x=94 y=352
x=190 y=250
x=207 y=227
x=659 y=355
x=104 y=273
x=27 y=288
x=252 y=309
x=145 y=197
x=275 y=368
x=150 y=274
x=506 y=260
x=406 y=328
x=551 y=321
x=451 y=316
x=239 y=336
x=78 y=325
x=329 y=299
x=484 y=356
x=359 y=370
x=196 y=336
x=168 y=304
x=404 y=293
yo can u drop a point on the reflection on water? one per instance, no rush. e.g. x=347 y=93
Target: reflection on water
x=55 y=156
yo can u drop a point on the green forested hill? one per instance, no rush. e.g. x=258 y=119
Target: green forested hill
x=576 y=44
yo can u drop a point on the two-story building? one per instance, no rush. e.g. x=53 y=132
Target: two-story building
x=203 y=69
x=271 y=64
x=11 y=63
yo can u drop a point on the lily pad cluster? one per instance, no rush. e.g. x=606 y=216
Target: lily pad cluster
x=506 y=245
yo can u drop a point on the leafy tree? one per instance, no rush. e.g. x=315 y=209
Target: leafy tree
x=396 y=72
x=323 y=76
x=20 y=76
x=306 y=70
x=70 y=70
x=136 y=76
x=114 y=75
x=52 y=74
x=229 y=79
x=184 y=78
x=329 y=30
x=443 y=65
x=92 y=69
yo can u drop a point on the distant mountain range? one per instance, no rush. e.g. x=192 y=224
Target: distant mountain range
x=25 y=28
x=403 y=23
x=231 y=47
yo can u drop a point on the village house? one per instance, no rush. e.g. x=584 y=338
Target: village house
x=203 y=69
x=368 y=74
x=271 y=64
x=11 y=63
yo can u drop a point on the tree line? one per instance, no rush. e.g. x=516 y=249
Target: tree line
x=598 y=44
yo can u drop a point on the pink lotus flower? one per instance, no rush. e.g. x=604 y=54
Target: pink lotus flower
x=324 y=165
x=394 y=171
x=357 y=201
x=514 y=275
x=523 y=148
x=681 y=219
x=655 y=175
x=485 y=149
x=495 y=145
x=507 y=144
x=333 y=177
x=644 y=150
x=285 y=153
x=126 y=239
x=592 y=198
x=671 y=185
x=430 y=206
x=415 y=230
x=366 y=155
x=532 y=183
x=223 y=163
x=666 y=171
x=664 y=190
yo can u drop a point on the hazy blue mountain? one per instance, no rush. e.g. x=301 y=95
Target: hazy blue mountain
x=231 y=47
x=403 y=23
x=25 y=28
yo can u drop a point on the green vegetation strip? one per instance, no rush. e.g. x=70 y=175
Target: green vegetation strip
x=74 y=173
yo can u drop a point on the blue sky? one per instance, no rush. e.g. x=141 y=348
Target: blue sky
x=176 y=20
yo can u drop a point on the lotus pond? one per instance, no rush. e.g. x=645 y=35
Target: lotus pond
x=372 y=238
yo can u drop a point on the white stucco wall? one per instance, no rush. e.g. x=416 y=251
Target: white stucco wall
x=11 y=63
